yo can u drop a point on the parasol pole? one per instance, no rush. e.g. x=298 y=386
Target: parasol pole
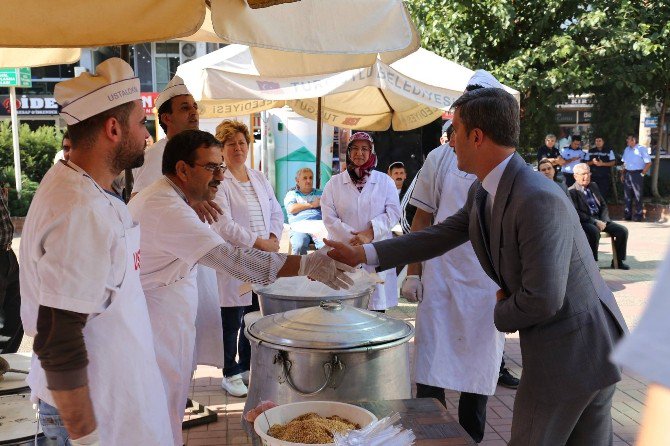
x=318 y=143
x=15 y=139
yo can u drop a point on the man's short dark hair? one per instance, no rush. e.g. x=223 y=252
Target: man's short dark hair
x=183 y=147
x=492 y=110
x=598 y=136
x=577 y=138
x=166 y=107
x=396 y=165
x=84 y=134
x=632 y=136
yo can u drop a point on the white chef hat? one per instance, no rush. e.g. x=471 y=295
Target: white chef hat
x=483 y=79
x=90 y=94
x=174 y=88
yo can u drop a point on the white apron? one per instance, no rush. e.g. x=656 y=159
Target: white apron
x=124 y=379
x=173 y=309
x=457 y=345
x=208 y=343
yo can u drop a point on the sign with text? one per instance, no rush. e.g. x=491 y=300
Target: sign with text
x=15 y=77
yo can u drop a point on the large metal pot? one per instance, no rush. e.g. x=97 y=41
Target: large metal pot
x=331 y=352
x=291 y=293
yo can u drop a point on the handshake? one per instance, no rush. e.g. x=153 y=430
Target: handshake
x=318 y=266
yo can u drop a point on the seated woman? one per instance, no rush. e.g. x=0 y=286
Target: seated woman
x=303 y=202
x=547 y=169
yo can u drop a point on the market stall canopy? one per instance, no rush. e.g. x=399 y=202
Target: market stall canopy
x=37 y=57
x=406 y=94
x=350 y=32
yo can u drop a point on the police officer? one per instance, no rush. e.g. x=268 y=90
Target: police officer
x=636 y=164
x=601 y=159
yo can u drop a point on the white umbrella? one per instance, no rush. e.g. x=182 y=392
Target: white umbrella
x=406 y=94
x=349 y=32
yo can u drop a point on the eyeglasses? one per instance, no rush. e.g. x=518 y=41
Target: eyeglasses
x=214 y=168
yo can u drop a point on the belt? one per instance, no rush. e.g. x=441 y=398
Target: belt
x=634 y=171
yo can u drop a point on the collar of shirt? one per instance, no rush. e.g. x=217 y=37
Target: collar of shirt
x=176 y=189
x=490 y=183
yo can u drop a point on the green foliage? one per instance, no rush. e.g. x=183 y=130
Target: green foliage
x=37 y=149
x=18 y=207
x=548 y=49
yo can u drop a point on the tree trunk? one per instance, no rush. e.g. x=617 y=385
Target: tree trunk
x=657 y=157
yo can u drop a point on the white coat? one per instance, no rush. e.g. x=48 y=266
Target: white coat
x=207 y=321
x=233 y=226
x=344 y=210
x=173 y=240
x=80 y=252
x=456 y=344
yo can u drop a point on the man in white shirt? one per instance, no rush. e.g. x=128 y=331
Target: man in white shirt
x=94 y=373
x=174 y=241
x=177 y=111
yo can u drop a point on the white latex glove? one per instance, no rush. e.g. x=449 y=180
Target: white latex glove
x=412 y=289
x=318 y=266
x=91 y=439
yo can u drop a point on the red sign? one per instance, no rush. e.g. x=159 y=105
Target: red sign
x=148 y=101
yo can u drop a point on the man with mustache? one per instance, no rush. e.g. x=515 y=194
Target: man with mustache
x=174 y=241
x=94 y=373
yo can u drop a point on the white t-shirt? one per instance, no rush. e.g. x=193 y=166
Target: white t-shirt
x=72 y=250
x=173 y=237
x=428 y=190
x=152 y=169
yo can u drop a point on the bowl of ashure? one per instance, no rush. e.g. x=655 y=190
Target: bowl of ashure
x=309 y=422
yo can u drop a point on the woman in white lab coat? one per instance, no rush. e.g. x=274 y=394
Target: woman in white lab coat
x=252 y=217
x=361 y=205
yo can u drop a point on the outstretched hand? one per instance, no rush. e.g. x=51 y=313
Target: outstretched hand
x=344 y=253
x=208 y=211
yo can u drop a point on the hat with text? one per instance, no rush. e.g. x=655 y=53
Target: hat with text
x=174 y=88
x=483 y=79
x=86 y=95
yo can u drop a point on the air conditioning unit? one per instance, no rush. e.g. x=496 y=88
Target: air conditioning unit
x=191 y=50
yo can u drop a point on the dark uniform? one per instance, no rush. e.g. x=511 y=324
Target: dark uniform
x=602 y=175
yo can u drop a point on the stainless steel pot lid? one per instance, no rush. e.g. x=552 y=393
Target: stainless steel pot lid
x=331 y=325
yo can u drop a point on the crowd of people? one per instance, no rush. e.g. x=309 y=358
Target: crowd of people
x=162 y=283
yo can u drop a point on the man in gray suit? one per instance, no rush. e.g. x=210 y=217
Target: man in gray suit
x=527 y=237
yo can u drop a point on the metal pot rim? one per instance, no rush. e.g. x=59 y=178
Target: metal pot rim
x=359 y=349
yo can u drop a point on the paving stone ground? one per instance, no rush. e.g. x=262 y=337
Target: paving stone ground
x=648 y=243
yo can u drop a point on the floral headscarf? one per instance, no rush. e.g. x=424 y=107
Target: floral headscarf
x=359 y=174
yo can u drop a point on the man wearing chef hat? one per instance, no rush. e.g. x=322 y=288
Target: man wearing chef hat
x=457 y=345
x=177 y=111
x=174 y=241
x=94 y=372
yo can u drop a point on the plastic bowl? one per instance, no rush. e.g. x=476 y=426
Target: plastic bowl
x=286 y=412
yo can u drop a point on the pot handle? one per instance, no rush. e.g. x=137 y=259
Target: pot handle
x=328 y=368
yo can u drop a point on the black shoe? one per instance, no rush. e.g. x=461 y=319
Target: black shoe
x=621 y=265
x=506 y=379
x=638 y=220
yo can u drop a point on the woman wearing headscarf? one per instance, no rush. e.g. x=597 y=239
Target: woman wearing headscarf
x=361 y=205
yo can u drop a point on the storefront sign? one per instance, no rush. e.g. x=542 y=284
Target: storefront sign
x=148 y=102
x=45 y=105
x=33 y=105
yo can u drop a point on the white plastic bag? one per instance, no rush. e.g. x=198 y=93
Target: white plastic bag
x=378 y=433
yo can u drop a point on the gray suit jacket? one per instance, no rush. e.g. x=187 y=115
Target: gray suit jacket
x=567 y=318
